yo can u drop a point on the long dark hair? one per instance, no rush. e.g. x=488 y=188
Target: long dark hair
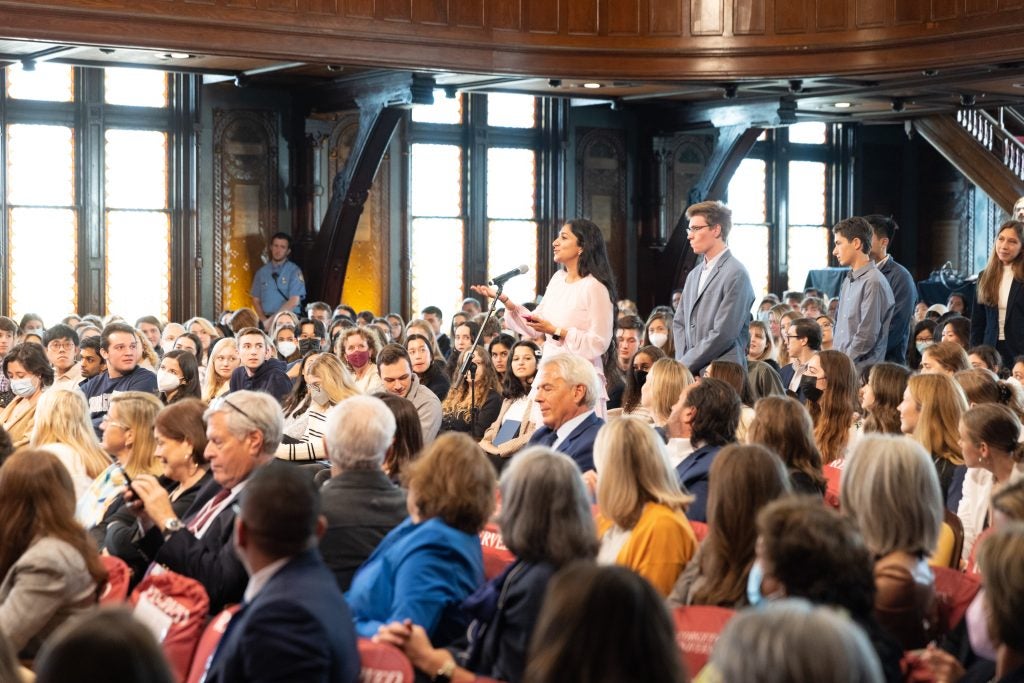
x=408 y=434
x=190 y=370
x=913 y=355
x=594 y=260
x=511 y=386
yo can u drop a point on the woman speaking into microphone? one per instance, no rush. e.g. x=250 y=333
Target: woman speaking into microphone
x=577 y=312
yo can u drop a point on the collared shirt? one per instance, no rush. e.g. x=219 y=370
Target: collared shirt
x=274 y=291
x=679 y=449
x=566 y=429
x=866 y=305
x=705 y=272
x=217 y=509
x=69 y=379
x=259 y=579
x=798 y=372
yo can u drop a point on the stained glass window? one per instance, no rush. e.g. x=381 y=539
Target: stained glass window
x=135 y=87
x=46 y=81
x=511 y=111
x=42 y=228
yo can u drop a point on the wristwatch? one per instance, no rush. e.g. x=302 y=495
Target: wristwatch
x=172 y=525
x=556 y=335
x=445 y=673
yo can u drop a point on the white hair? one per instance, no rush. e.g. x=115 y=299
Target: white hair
x=246 y=411
x=575 y=371
x=358 y=433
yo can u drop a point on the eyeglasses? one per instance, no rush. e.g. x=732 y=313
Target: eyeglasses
x=61 y=346
x=793 y=336
x=223 y=400
x=697 y=228
x=113 y=423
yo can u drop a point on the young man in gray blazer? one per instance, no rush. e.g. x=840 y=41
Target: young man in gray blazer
x=712 y=321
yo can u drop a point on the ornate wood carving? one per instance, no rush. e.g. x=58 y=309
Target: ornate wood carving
x=245 y=199
x=669 y=39
x=601 y=188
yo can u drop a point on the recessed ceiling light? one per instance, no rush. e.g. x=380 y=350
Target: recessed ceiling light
x=174 y=55
x=842 y=105
x=591 y=86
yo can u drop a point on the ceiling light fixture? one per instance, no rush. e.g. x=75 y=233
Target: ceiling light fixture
x=591 y=86
x=842 y=105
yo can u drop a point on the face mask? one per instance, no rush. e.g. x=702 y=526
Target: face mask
x=977 y=628
x=23 y=387
x=754 y=579
x=286 y=348
x=318 y=395
x=922 y=345
x=641 y=377
x=809 y=387
x=307 y=345
x=658 y=338
x=167 y=381
x=358 y=358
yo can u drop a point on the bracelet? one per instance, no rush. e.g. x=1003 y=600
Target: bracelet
x=445 y=673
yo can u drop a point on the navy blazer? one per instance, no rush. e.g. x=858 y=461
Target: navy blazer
x=904 y=291
x=786 y=373
x=693 y=476
x=579 y=445
x=297 y=628
x=985 y=324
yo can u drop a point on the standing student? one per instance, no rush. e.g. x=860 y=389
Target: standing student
x=904 y=291
x=998 y=317
x=712 y=319
x=278 y=285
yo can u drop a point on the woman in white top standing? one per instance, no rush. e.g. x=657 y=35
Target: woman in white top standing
x=998 y=317
x=577 y=314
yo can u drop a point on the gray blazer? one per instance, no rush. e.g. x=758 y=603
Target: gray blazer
x=48 y=585
x=714 y=324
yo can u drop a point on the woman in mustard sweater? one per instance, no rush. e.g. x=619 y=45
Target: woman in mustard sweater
x=642 y=524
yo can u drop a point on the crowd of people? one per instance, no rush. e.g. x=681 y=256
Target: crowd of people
x=332 y=473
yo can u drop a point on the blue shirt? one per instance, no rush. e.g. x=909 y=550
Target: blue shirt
x=866 y=306
x=274 y=291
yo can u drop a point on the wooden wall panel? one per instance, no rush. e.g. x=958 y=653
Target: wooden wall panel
x=322 y=6
x=280 y=5
x=507 y=16
x=1011 y=4
x=541 y=16
x=979 y=6
x=831 y=15
x=791 y=16
x=242 y=4
x=665 y=17
x=430 y=11
x=623 y=17
x=469 y=13
x=582 y=17
x=911 y=11
x=359 y=8
x=871 y=13
x=394 y=10
x=944 y=9
x=707 y=17
x=748 y=17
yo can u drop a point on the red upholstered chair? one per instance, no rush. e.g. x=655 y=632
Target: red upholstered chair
x=496 y=556
x=700 y=530
x=175 y=608
x=118 y=578
x=383 y=663
x=832 y=478
x=697 y=629
x=208 y=643
x=954 y=591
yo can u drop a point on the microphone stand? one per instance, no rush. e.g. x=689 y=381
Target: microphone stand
x=468 y=363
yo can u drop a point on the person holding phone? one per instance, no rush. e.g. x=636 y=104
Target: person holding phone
x=577 y=314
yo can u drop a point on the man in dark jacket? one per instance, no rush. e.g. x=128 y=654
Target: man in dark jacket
x=257 y=372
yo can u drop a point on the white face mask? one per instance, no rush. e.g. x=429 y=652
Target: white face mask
x=286 y=348
x=23 y=387
x=167 y=381
x=658 y=338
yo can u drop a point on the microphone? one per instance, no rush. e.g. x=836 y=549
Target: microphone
x=505 y=277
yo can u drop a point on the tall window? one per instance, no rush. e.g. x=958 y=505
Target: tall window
x=59 y=245
x=780 y=198
x=473 y=196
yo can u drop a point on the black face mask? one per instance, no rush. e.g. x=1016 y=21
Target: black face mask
x=307 y=345
x=641 y=377
x=809 y=387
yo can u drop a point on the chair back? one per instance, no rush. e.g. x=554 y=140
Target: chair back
x=496 y=556
x=119 y=576
x=175 y=608
x=697 y=630
x=954 y=591
x=951 y=542
x=833 y=476
x=208 y=643
x=383 y=663
x=700 y=530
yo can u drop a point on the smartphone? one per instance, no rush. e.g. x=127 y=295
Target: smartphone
x=128 y=481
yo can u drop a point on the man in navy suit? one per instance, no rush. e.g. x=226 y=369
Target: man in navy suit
x=713 y=318
x=567 y=388
x=294 y=624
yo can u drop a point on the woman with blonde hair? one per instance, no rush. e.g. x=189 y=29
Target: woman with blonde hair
x=783 y=426
x=357 y=347
x=148 y=357
x=665 y=382
x=983 y=386
x=778 y=330
x=642 y=524
x=990 y=441
x=224 y=359
x=930 y=413
x=128 y=438
x=743 y=480
x=207 y=333
x=891 y=492
x=946 y=358
x=830 y=386
x=63 y=427
x=762 y=345
x=327 y=383
x=881 y=395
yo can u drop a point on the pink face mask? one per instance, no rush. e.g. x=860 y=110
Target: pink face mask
x=977 y=628
x=358 y=358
